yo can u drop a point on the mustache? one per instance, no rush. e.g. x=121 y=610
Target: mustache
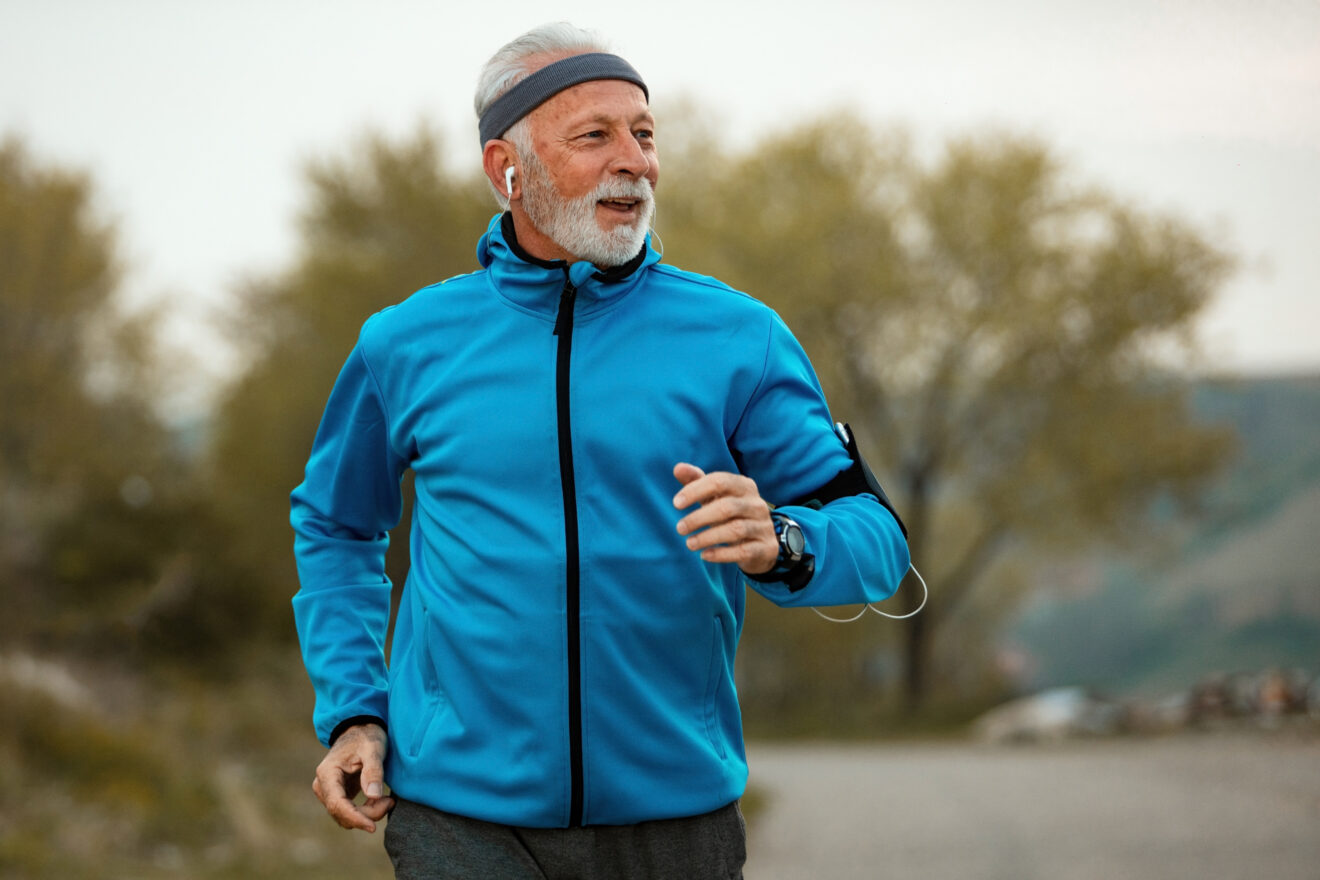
x=623 y=188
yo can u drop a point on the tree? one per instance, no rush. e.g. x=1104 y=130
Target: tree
x=1000 y=336
x=87 y=471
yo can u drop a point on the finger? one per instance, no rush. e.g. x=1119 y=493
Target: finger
x=735 y=531
x=336 y=786
x=727 y=508
x=715 y=485
x=328 y=785
x=339 y=773
x=709 y=514
x=725 y=512
x=376 y=809
x=349 y=815
x=740 y=554
x=372 y=777
x=330 y=789
x=686 y=473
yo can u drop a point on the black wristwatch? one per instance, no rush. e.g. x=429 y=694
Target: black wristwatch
x=792 y=543
x=795 y=566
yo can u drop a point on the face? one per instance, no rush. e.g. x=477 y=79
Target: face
x=588 y=186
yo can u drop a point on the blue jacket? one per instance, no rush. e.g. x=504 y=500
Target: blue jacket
x=560 y=657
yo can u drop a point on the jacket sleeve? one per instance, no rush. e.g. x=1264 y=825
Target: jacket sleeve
x=341 y=514
x=786 y=441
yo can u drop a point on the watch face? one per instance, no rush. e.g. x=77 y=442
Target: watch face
x=794 y=540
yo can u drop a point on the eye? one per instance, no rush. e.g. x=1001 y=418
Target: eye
x=644 y=134
x=597 y=133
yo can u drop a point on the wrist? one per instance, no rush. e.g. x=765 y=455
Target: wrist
x=356 y=721
x=793 y=566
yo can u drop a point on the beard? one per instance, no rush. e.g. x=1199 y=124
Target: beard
x=572 y=224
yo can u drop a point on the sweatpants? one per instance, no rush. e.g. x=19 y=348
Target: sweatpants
x=428 y=844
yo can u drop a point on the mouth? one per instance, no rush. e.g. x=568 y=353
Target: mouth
x=620 y=206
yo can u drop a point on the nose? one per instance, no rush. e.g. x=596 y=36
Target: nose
x=630 y=158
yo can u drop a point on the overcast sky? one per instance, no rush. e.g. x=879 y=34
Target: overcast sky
x=194 y=117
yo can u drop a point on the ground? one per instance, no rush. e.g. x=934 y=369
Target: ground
x=1215 y=805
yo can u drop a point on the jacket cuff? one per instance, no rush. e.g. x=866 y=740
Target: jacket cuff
x=795 y=578
x=353 y=722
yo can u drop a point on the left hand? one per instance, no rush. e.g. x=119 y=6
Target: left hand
x=733 y=523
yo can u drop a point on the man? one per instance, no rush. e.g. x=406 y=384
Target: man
x=597 y=441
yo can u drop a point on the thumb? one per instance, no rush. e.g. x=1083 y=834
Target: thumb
x=372 y=777
x=686 y=473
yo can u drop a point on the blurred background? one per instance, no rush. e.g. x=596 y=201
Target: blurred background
x=1055 y=263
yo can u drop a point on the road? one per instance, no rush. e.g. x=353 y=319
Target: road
x=1204 y=807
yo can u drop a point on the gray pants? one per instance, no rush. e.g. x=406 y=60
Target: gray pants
x=427 y=844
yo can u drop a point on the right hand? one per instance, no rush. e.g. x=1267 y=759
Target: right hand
x=355 y=763
x=732 y=523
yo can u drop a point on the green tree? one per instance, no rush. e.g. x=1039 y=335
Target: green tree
x=1002 y=338
x=380 y=223
x=87 y=471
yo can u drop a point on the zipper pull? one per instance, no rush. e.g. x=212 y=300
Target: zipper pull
x=564 y=320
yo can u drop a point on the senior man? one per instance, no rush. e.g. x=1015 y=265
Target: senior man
x=607 y=451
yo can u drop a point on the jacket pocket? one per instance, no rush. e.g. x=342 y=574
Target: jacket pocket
x=433 y=700
x=715 y=682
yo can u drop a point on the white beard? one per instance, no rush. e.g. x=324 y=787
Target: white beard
x=572 y=224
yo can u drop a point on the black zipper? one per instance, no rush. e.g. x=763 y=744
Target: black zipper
x=564 y=330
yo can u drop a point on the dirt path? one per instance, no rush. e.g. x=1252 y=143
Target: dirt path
x=1204 y=807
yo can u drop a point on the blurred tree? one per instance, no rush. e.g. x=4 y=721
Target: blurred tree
x=86 y=468
x=1003 y=340
x=380 y=223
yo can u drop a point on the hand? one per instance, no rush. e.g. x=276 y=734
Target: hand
x=733 y=523
x=355 y=763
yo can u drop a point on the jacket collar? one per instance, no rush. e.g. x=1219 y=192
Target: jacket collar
x=535 y=285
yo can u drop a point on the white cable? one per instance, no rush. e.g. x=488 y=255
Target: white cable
x=925 y=594
x=840 y=619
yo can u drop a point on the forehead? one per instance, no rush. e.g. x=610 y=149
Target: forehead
x=612 y=100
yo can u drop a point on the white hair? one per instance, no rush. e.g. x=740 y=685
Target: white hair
x=513 y=63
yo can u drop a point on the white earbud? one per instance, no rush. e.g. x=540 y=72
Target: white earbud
x=508 y=181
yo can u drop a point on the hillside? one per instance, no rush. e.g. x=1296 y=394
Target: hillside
x=1237 y=587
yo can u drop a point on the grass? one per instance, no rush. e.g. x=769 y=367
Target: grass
x=171 y=778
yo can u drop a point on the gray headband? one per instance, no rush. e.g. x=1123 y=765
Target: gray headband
x=549 y=81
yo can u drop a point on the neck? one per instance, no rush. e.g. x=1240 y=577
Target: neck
x=533 y=241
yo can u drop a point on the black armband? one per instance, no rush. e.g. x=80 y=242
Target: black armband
x=857 y=479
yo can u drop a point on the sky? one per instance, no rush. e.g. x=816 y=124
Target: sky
x=195 y=119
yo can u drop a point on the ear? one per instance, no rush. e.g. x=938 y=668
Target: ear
x=496 y=158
